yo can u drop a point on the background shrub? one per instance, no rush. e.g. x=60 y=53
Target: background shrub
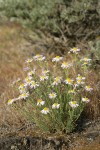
x=75 y=20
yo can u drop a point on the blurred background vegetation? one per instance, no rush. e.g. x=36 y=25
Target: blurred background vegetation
x=68 y=22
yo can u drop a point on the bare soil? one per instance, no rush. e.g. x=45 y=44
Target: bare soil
x=26 y=138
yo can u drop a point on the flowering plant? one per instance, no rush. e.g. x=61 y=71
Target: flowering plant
x=54 y=93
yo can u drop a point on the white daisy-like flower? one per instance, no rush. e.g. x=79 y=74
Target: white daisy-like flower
x=85 y=99
x=33 y=84
x=36 y=56
x=28 y=82
x=31 y=72
x=74 y=50
x=40 y=102
x=22 y=86
x=80 y=77
x=10 y=101
x=44 y=72
x=57 y=80
x=57 y=59
x=23 y=91
x=72 y=91
x=80 y=80
x=88 y=88
x=69 y=81
x=66 y=65
x=28 y=78
x=39 y=57
x=29 y=60
x=43 y=77
x=55 y=105
x=86 y=61
x=45 y=111
x=24 y=95
x=75 y=85
x=73 y=104
x=52 y=95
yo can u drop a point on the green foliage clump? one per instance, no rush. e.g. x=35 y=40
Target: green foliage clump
x=73 y=19
x=55 y=92
x=95 y=48
x=95 y=52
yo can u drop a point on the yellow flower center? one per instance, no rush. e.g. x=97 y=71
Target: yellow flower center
x=28 y=80
x=45 y=109
x=38 y=55
x=52 y=94
x=79 y=77
x=24 y=94
x=72 y=91
x=22 y=85
x=9 y=100
x=40 y=58
x=39 y=100
x=55 y=104
x=79 y=80
x=74 y=102
x=65 y=63
x=33 y=83
x=74 y=48
x=57 y=56
x=29 y=60
x=57 y=79
x=85 y=59
x=42 y=77
x=85 y=63
x=69 y=80
x=88 y=87
x=31 y=72
x=85 y=99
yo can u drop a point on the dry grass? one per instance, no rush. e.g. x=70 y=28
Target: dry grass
x=11 y=56
x=11 y=64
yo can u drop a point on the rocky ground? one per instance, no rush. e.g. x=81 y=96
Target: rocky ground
x=26 y=138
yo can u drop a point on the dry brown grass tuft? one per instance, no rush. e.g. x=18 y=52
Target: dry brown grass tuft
x=93 y=110
x=11 y=58
x=11 y=64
